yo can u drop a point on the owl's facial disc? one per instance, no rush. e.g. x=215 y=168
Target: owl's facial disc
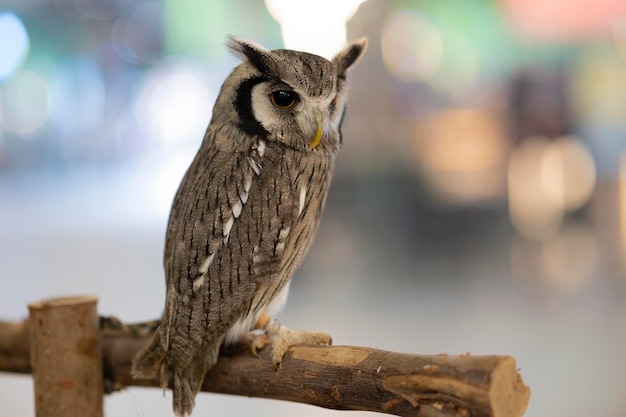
x=313 y=123
x=285 y=99
x=291 y=116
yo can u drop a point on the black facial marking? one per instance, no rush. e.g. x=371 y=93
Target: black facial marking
x=243 y=107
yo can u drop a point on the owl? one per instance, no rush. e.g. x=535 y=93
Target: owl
x=247 y=211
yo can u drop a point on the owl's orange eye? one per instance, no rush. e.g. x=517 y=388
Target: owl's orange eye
x=284 y=99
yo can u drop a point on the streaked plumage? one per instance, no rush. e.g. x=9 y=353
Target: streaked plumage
x=247 y=209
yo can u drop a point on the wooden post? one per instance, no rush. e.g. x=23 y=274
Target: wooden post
x=66 y=357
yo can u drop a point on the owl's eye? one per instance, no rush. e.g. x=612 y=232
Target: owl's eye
x=284 y=99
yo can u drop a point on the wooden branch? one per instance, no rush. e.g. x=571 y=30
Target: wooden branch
x=15 y=347
x=66 y=357
x=335 y=377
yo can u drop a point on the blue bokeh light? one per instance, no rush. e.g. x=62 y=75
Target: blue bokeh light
x=14 y=43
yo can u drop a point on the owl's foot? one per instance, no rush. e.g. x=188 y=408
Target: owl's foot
x=256 y=339
x=281 y=338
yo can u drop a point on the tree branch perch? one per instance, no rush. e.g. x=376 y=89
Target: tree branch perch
x=335 y=377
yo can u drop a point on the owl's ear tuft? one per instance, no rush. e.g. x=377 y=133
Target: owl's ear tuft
x=348 y=56
x=252 y=52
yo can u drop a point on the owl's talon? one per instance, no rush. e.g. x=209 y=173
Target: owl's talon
x=258 y=343
x=281 y=338
x=256 y=340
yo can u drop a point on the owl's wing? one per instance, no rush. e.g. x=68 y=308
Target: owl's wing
x=224 y=259
x=226 y=245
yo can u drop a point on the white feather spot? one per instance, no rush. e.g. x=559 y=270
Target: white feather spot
x=237 y=209
x=302 y=199
x=206 y=264
x=255 y=166
x=261 y=148
x=227 y=226
x=198 y=282
x=256 y=256
x=243 y=195
x=282 y=235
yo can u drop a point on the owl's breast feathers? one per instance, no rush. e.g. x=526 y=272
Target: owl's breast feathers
x=240 y=225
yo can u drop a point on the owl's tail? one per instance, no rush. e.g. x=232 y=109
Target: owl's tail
x=188 y=382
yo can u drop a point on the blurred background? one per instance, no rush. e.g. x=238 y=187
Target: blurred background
x=479 y=203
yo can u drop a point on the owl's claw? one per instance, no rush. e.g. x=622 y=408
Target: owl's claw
x=257 y=340
x=281 y=338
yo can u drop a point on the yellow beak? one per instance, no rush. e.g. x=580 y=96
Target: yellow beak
x=318 y=136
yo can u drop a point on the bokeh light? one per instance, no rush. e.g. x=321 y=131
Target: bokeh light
x=318 y=27
x=24 y=104
x=568 y=172
x=618 y=32
x=14 y=43
x=78 y=98
x=137 y=36
x=546 y=179
x=412 y=47
x=462 y=153
x=599 y=88
x=174 y=103
x=535 y=213
x=558 y=20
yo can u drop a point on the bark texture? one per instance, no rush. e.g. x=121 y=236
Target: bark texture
x=66 y=357
x=335 y=377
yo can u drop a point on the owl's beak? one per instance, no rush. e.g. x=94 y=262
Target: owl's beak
x=318 y=136
x=318 y=133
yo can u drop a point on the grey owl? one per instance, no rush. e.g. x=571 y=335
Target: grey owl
x=246 y=212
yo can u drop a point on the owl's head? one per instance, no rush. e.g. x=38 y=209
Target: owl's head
x=292 y=97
